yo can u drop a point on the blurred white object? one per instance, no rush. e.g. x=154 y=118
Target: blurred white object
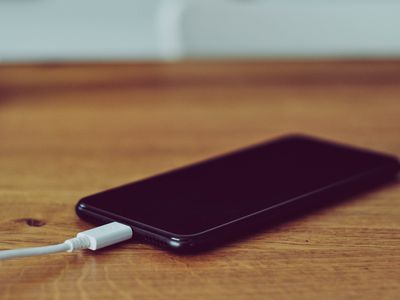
x=171 y=29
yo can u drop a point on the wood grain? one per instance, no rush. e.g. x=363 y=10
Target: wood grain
x=70 y=130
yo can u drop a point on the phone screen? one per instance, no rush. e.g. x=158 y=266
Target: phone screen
x=193 y=199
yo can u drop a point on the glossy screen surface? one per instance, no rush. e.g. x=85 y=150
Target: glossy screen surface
x=199 y=197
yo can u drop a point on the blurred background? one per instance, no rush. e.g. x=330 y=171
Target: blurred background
x=49 y=30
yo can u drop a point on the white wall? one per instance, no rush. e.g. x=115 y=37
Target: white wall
x=79 y=29
x=169 y=29
x=292 y=28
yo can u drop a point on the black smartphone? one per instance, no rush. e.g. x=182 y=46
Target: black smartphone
x=201 y=205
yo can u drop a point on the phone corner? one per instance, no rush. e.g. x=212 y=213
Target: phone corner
x=80 y=207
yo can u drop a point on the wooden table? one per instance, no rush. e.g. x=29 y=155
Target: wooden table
x=70 y=130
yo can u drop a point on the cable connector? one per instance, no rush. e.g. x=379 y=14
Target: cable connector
x=103 y=236
x=92 y=239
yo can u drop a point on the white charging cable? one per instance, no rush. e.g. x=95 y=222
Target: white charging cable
x=92 y=239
